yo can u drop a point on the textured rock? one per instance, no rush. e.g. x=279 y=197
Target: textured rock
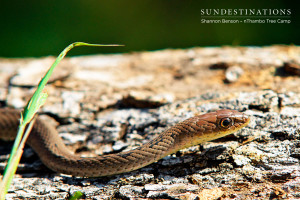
x=89 y=105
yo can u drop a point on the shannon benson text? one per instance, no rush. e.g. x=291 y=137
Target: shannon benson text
x=220 y=21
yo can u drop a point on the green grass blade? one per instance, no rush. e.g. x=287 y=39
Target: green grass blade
x=33 y=105
x=37 y=100
x=16 y=159
x=76 y=195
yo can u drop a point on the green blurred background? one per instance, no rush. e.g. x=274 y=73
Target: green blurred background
x=42 y=28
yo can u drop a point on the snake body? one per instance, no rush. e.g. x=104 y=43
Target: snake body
x=46 y=142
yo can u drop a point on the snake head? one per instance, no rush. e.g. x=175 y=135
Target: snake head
x=222 y=122
x=210 y=126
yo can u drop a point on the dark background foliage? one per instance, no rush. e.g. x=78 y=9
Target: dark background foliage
x=41 y=28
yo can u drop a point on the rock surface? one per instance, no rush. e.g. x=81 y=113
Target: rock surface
x=106 y=104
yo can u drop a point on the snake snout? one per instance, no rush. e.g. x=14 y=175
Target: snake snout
x=244 y=119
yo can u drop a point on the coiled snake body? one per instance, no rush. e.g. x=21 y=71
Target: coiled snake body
x=46 y=142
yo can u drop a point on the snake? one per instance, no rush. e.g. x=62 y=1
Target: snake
x=46 y=142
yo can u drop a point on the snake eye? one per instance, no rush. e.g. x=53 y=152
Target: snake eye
x=226 y=122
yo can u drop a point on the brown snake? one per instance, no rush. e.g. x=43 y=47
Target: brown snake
x=46 y=142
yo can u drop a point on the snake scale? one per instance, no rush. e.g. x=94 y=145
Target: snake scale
x=45 y=141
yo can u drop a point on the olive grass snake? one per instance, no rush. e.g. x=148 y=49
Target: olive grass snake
x=45 y=141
